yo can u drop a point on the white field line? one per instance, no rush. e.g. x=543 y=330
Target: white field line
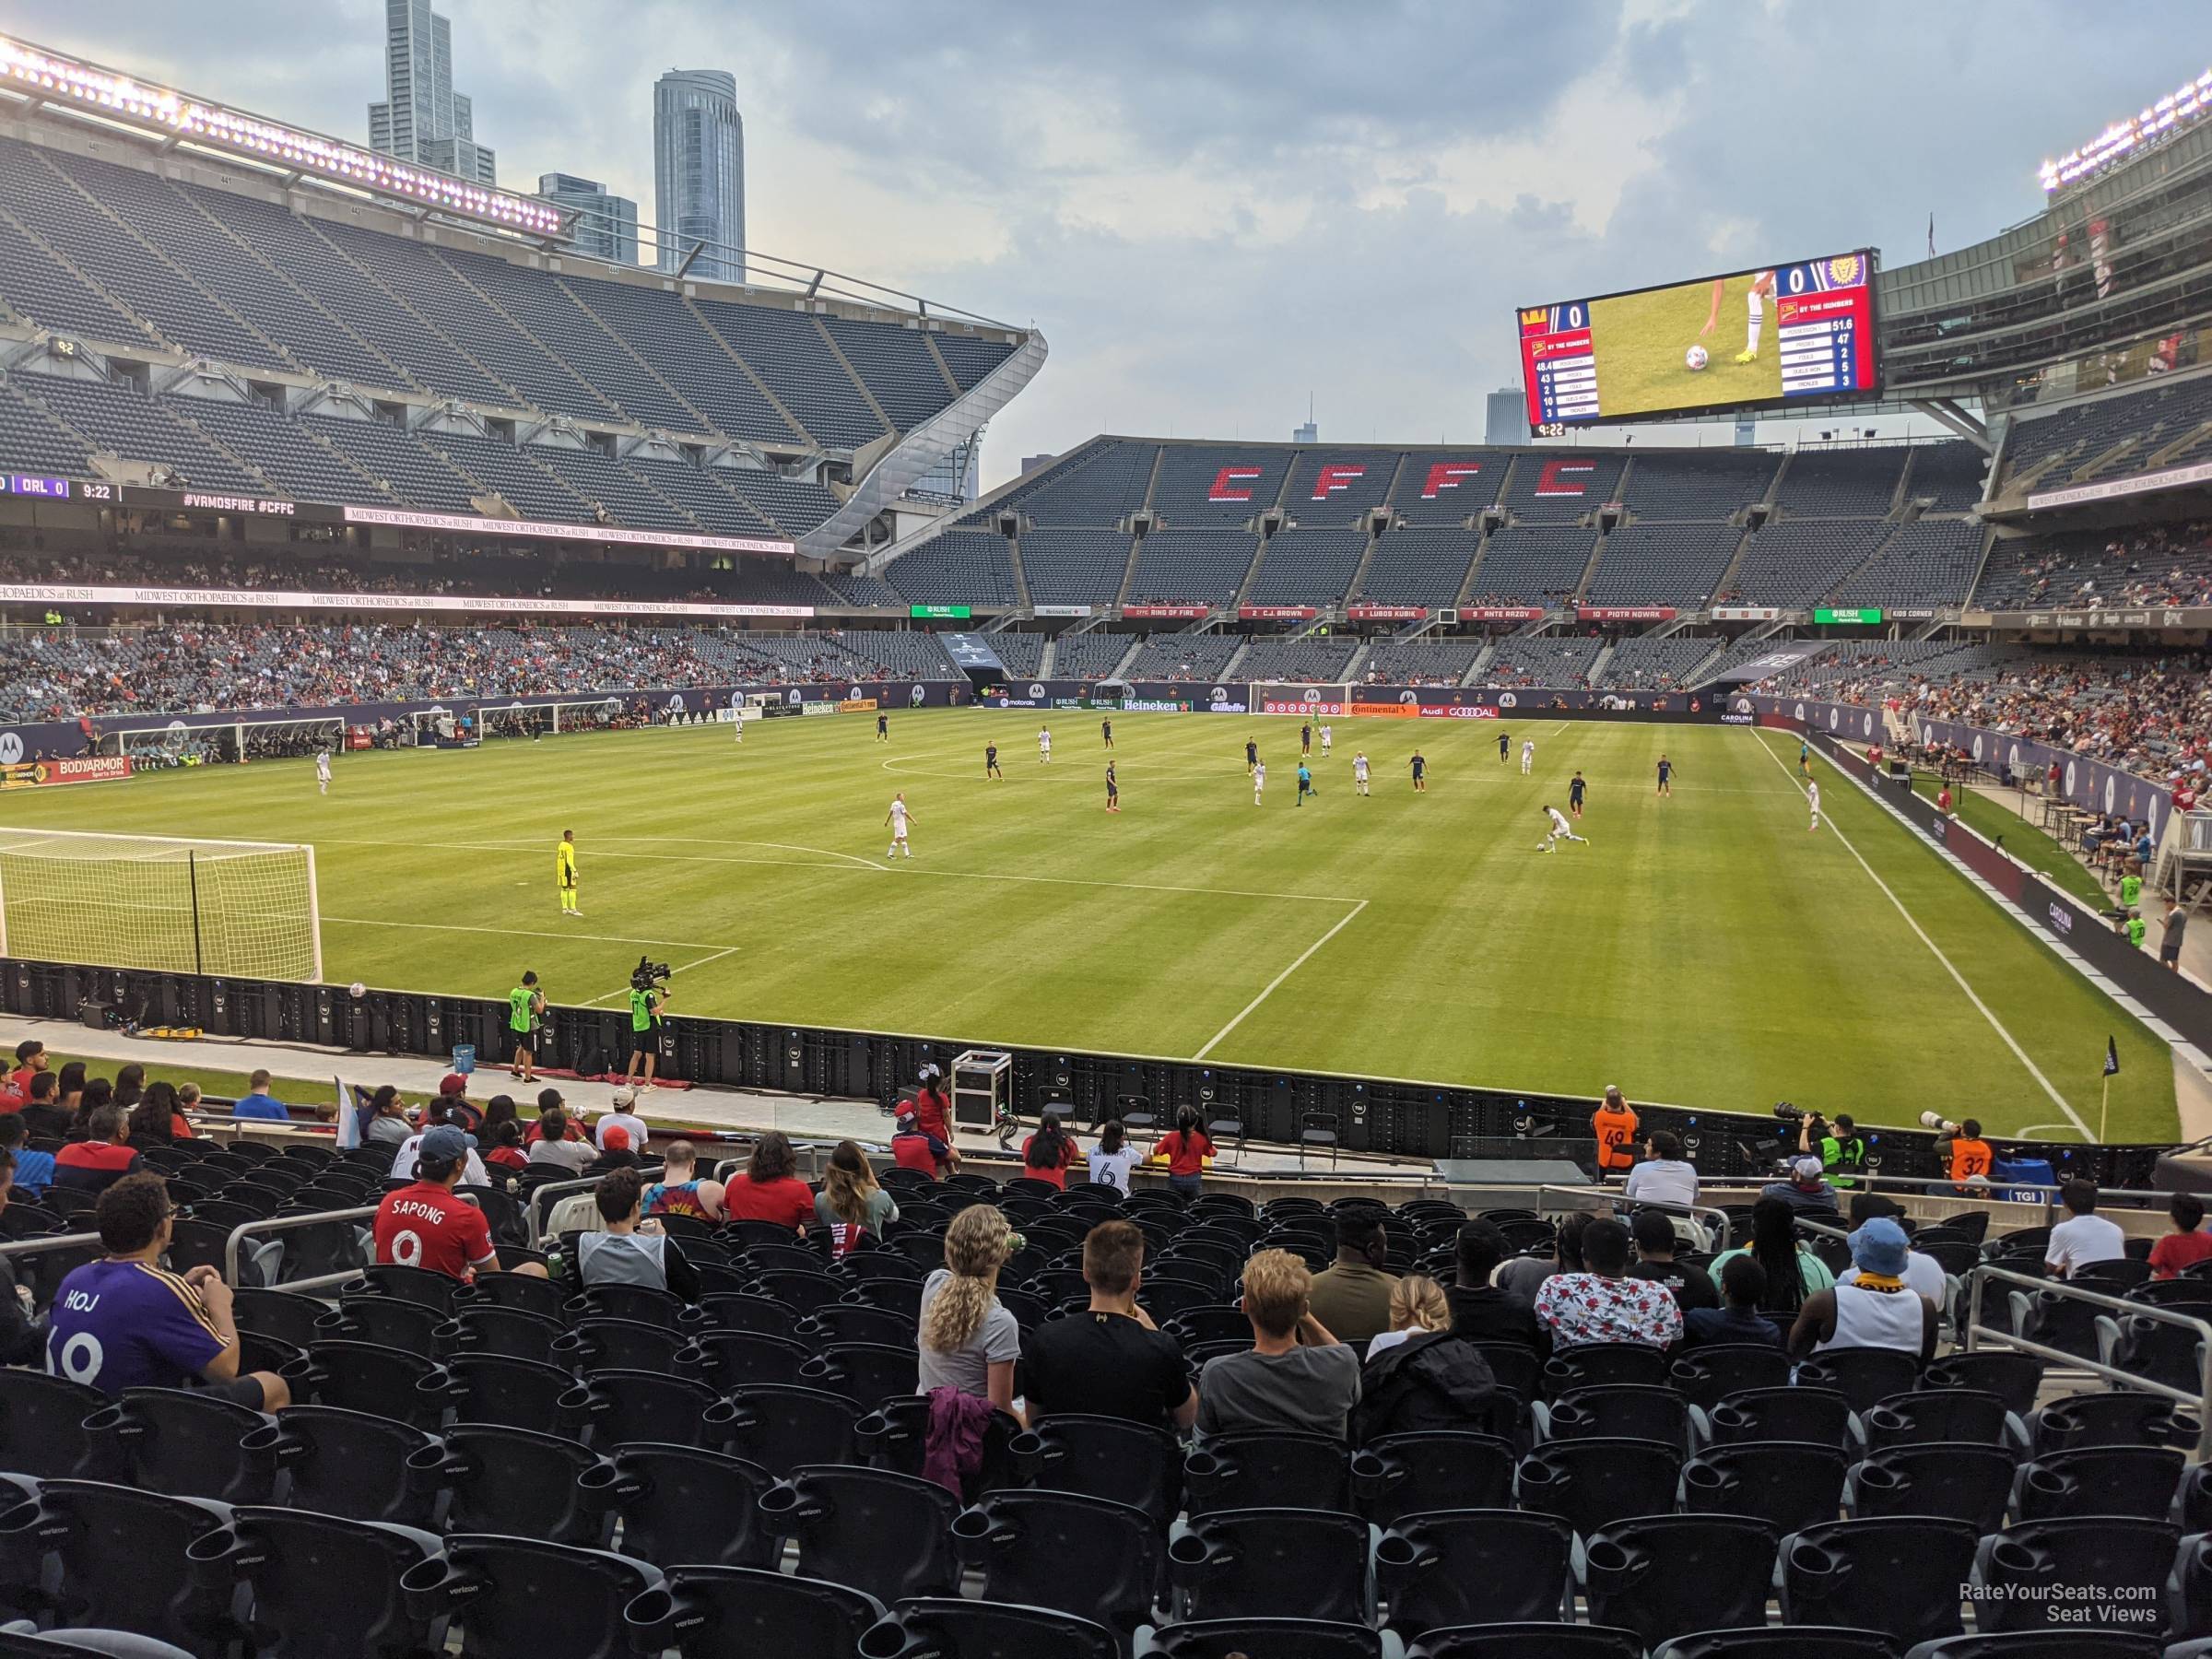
x=1342 y=922
x=1995 y=1024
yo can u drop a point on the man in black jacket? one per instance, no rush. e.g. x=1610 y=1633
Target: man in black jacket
x=1482 y=1312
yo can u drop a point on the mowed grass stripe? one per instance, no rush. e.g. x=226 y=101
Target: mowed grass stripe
x=1702 y=949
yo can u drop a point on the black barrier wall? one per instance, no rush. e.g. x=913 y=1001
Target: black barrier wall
x=1376 y=1115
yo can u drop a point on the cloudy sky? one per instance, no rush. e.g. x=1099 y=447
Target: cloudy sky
x=1214 y=211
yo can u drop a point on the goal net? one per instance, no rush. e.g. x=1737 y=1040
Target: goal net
x=241 y=908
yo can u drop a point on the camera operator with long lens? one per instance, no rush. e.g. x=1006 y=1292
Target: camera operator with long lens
x=1837 y=1143
x=648 y=995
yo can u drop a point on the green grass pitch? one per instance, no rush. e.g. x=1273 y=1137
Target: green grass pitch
x=1705 y=949
x=1640 y=339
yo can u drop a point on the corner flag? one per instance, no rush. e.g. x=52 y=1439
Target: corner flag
x=2111 y=1057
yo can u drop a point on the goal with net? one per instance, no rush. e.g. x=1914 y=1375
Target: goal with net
x=229 y=907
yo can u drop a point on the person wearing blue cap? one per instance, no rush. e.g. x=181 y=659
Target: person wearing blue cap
x=1877 y=1309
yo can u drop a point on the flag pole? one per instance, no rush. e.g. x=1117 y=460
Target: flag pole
x=2104 y=1110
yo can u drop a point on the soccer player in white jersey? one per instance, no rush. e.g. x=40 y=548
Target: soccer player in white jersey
x=1360 y=771
x=1259 y=780
x=1561 y=830
x=737 y=720
x=1327 y=737
x=1528 y=755
x=1812 y=794
x=1755 y=306
x=322 y=770
x=895 y=817
x=1044 y=745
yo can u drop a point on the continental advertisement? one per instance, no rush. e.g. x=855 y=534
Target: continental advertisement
x=856 y=705
x=81 y=769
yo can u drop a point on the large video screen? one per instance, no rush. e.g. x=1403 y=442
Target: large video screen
x=1765 y=338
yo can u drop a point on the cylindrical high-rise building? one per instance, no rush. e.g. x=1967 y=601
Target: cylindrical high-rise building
x=698 y=171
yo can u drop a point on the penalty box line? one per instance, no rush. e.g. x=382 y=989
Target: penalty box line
x=1995 y=1024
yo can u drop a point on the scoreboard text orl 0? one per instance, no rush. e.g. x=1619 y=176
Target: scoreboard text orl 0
x=1772 y=337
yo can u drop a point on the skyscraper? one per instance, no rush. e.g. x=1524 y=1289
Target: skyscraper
x=1505 y=420
x=605 y=225
x=698 y=172
x=422 y=119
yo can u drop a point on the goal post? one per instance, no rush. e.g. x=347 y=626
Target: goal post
x=172 y=904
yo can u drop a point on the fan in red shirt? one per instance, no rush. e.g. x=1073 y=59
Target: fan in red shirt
x=769 y=1190
x=1046 y=1154
x=2185 y=1245
x=424 y=1225
x=1185 y=1150
x=933 y=1106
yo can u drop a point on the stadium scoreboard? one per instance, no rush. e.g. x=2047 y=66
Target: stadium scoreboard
x=1769 y=337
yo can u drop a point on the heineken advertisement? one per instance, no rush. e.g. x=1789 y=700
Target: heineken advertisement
x=939 y=613
x=1823 y=615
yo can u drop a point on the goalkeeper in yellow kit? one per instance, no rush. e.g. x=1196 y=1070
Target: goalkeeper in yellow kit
x=564 y=872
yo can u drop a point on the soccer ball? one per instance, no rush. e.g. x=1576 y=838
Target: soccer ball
x=1695 y=359
x=357 y=989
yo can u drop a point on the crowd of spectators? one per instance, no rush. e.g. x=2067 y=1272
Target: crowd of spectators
x=2149 y=565
x=2147 y=714
x=63 y=673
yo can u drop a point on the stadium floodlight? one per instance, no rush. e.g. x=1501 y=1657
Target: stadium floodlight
x=167 y=903
x=56 y=77
x=2124 y=138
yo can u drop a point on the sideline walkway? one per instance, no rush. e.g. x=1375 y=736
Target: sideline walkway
x=728 y=1111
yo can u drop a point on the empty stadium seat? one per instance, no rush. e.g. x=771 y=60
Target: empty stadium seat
x=1471 y=1566
x=870 y=1529
x=320 y=1586
x=1660 y=1575
x=2128 y=1557
x=722 y=1612
x=1249 y=1563
x=1971 y=1483
x=1789 y=1484
x=1281 y=1470
x=524 y=1598
x=1902 y=1575
x=1401 y=1474
x=1590 y=1482
x=1027 y=1543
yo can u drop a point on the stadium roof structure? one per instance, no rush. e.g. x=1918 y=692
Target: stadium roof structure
x=847 y=384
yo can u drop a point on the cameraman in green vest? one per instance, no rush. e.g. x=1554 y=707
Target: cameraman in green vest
x=525 y=1014
x=1839 y=1145
x=648 y=991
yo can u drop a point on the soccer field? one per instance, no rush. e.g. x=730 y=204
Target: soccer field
x=1704 y=950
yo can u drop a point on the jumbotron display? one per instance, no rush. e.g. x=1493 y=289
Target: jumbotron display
x=1763 y=338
